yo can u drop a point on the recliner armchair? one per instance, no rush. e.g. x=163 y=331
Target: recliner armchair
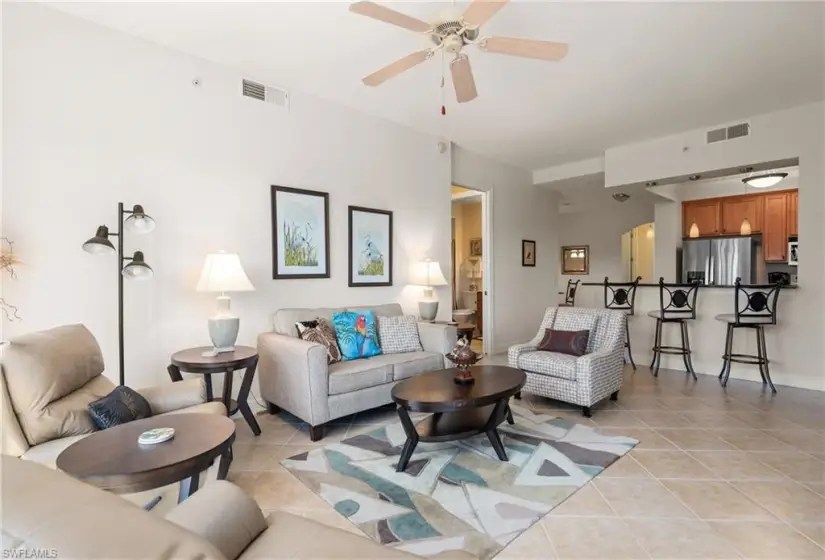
x=584 y=380
x=47 y=380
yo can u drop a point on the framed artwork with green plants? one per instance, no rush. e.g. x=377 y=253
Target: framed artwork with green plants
x=300 y=233
x=370 y=247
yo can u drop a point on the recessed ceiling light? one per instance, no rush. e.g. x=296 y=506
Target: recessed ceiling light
x=764 y=180
x=695 y=177
x=651 y=184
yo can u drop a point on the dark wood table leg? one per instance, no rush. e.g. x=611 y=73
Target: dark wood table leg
x=412 y=439
x=510 y=415
x=227 y=390
x=243 y=398
x=207 y=377
x=499 y=412
x=223 y=465
x=188 y=486
x=174 y=373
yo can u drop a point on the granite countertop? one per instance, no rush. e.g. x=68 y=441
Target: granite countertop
x=703 y=286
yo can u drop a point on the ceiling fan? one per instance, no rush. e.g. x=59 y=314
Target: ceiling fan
x=453 y=35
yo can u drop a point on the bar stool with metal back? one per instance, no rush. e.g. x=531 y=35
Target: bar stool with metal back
x=621 y=296
x=570 y=294
x=754 y=312
x=677 y=304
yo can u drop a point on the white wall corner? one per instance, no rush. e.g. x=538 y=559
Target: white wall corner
x=568 y=170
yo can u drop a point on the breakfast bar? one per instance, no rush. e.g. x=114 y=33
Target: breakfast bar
x=787 y=341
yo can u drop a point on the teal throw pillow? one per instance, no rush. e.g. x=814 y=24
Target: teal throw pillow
x=356 y=334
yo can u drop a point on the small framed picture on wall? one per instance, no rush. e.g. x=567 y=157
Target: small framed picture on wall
x=300 y=233
x=475 y=247
x=528 y=252
x=370 y=247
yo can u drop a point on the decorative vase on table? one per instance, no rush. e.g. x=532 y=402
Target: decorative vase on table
x=464 y=358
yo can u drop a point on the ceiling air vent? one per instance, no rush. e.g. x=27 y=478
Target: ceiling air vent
x=728 y=133
x=261 y=92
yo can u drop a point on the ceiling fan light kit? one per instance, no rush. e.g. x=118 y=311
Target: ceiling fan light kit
x=452 y=36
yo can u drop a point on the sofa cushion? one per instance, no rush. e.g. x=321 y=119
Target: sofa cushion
x=352 y=375
x=573 y=343
x=578 y=319
x=413 y=363
x=46 y=453
x=549 y=363
x=284 y=319
x=321 y=331
x=399 y=334
x=357 y=334
x=122 y=405
x=51 y=377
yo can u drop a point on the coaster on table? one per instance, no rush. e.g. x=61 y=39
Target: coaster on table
x=156 y=435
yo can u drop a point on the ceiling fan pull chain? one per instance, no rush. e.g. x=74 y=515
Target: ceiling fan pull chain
x=443 y=106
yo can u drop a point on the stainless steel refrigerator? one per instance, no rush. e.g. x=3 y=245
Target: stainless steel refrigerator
x=719 y=261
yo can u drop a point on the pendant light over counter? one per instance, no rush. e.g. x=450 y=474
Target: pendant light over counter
x=694 y=229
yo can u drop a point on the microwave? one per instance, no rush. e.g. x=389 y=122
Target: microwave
x=793 y=251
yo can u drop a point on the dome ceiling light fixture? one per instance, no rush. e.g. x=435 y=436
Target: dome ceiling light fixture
x=764 y=180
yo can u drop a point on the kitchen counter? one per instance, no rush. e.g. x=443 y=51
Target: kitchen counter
x=703 y=286
x=788 y=341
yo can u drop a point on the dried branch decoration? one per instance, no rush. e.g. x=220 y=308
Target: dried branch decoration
x=7 y=262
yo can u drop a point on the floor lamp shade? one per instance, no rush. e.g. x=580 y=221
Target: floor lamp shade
x=428 y=273
x=222 y=272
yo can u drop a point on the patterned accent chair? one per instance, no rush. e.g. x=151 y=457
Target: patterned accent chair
x=584 y=380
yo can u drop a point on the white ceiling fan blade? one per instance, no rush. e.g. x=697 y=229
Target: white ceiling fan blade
x=528 y=48
x=394 y=69
x=381 y=13
x=463 y=81
x=480 y=11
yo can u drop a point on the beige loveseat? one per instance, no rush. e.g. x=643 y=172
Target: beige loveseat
x=47 y=380
x=49 y=513
x=293 y=373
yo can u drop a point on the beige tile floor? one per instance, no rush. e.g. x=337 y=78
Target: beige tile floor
x=719 y=473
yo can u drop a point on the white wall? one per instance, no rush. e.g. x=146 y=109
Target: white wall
x=519 y=211
x=793 y=133
x=92 y=117
x=601 y=226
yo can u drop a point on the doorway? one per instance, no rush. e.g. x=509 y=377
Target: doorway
x=637 y=253
x=470 y=264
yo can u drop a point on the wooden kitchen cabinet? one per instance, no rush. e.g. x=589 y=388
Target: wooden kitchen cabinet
x=736 y=209
x=775 y=232
x=793 y=213
x=705 y=213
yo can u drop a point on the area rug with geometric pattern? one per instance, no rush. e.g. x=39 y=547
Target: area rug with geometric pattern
x=457 y=495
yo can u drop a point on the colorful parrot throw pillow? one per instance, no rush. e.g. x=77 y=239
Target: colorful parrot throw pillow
x=356 y=334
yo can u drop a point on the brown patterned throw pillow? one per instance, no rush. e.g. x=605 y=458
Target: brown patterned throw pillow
x=321 y=331
x=573 y=343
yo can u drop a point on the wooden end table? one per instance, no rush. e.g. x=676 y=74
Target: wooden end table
x=459 y=411
x=113 y=459
x=192 y=360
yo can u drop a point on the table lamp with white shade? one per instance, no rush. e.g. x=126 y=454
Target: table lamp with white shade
x=222 y=272
x=428 y=273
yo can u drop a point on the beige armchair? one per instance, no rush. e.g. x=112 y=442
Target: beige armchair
x=48 y=378
x=219 y=522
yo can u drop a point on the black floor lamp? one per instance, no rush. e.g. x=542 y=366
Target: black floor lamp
x=137 y=222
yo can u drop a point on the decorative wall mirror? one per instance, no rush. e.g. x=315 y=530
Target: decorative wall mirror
x=575 y=259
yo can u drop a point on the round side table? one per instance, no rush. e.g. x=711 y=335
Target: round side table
x=113 y=459
x=192 y=360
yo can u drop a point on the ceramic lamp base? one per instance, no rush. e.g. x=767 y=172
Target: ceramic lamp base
x=224 y=332
x=428 y=310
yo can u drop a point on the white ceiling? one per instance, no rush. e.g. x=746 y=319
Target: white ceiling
x=634 y=71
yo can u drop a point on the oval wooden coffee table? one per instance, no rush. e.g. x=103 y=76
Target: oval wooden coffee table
x=459 y=411
x=113 y=459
